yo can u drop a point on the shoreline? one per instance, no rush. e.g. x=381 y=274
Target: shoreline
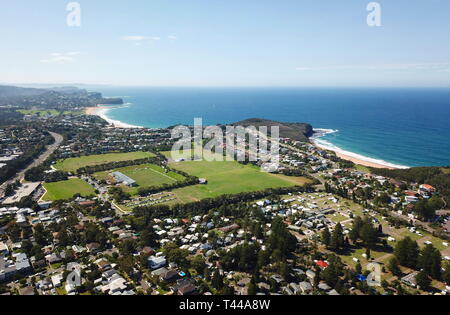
x=351 y=156
x=102 y=110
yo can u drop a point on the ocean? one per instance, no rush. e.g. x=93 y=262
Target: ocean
x=401 y=127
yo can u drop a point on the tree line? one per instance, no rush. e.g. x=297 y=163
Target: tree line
x=113 y=165
x=13 y=167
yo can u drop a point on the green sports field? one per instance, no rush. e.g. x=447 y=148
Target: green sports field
x=72 y=164
x=51 y=112
x=229 y=178
x=145 y=175
x=67 y=189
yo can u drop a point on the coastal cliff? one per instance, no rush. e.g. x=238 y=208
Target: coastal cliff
x=294 y=131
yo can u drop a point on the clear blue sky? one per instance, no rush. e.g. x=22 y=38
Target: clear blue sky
x=226 y=43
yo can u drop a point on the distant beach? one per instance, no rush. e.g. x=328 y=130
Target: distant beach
x=102 y=111
x=380 y=127
x=350 y=156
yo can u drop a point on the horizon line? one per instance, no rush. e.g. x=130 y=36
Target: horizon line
x=225 y=86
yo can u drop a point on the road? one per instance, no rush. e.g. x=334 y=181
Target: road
x=50 y=149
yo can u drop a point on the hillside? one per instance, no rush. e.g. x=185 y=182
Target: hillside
x=295 y=131
x=55 y=98
x=438 y=177
x=13 y=91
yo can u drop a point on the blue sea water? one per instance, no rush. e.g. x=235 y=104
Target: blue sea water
x=395 y=126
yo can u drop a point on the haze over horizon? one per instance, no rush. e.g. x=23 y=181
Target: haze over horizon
x=234 y=43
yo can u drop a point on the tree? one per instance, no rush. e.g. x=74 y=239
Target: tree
x=326 y=237
x=281 y=239
x=217 y=280
x=446 y=274
x=436 y=203
x=369 y=235
x=355 y=231
x=368 y=253
x=9 y=190
x=175 y=254
x=148 y=237
x=407 y=252
x=27 y=247
x=263 y=259
x=424 y=210
x=198 y=263
x=423 y=281
x=430 y=261
x=334 y=270
x=393 y=267
x=252 y=289
x=358 y=268
x=337 y=238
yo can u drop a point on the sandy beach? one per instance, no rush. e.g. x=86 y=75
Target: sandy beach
x=101 y=112
x=91 y=111
x=362 y=162
x=357 y=160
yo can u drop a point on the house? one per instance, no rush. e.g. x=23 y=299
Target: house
x=229 y=228
x=169 y=276
x=322 y=264
x=410 y=279
x=4 y=249
x=87 y=203
x=103 y=264
x=189 y=289
x=148 y=251
x=184 y=287
x=57 y=280
x=156 y=262
x=159 y=272
x=107 y=220
x=22 y=263
x=7 y=269
x=44 y=204
x=305 y=287
x=411 y=199
x=323 y=286
x=115 y=285
x=53 y=258
x=426 y=190
x=310 y=274
x=93 y=248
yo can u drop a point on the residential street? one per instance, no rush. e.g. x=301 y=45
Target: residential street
x=50 y=149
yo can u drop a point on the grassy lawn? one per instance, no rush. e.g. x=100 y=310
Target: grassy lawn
x=72 y=164
x=73 y=112
x=228 y=178
x=362 y=168
x=67 y=189
x=145 y=175
x=52 y=112
x=337 y=218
